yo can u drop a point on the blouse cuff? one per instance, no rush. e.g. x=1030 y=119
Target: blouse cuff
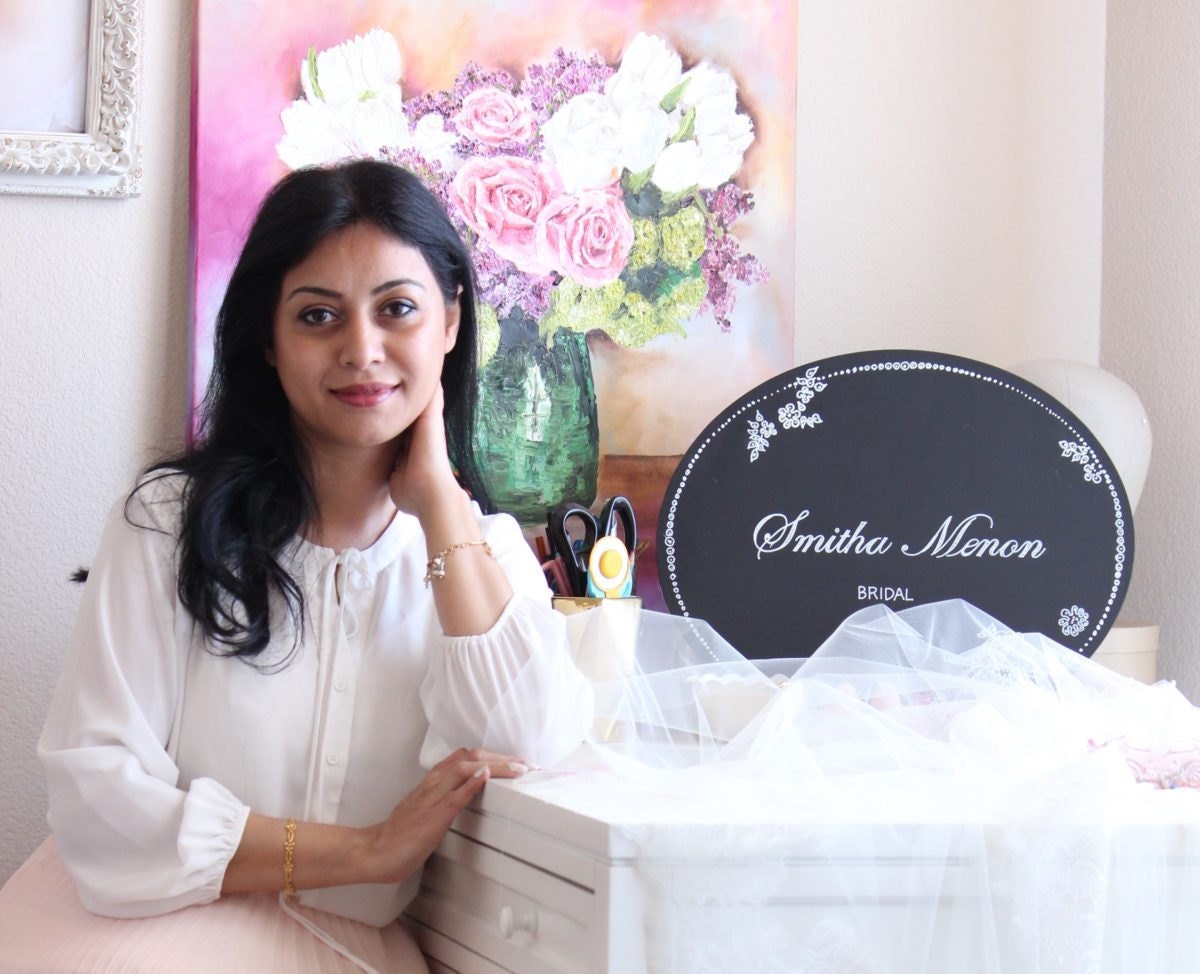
x=209 y=835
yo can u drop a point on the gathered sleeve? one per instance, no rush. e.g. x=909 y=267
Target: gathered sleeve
x=512 y=689
x=135 y=843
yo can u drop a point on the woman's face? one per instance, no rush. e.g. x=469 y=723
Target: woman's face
x=361 y=331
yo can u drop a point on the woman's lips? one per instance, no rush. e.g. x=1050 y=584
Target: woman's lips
x=364 y=396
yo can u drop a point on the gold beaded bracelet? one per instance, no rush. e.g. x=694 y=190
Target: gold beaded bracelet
x=437 y=564
x=289 y=854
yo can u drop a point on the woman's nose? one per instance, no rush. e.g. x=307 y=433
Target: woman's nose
x=362 y=342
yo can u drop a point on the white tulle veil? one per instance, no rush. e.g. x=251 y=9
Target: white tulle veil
x=929 y=791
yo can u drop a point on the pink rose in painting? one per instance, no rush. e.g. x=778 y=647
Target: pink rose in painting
x=586 y=237
x=501 y=198
x=493 y=117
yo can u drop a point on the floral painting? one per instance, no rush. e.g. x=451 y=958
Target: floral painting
x=622 y=174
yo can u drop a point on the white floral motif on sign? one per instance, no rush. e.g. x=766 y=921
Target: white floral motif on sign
x=808 y=387
x=761 y=430
x=792 y=415
x=1073 y=621
x=1078 y=453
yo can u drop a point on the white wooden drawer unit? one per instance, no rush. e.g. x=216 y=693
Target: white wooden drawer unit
x=504 y=893
x=529 y=885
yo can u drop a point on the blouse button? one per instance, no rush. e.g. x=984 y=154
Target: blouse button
x=331 y=759
x=339 y=685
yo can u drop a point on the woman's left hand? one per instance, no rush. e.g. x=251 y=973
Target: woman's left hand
x=422 y=476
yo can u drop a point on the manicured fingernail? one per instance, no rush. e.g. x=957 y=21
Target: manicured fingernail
x=481 y=773
x=517 y=768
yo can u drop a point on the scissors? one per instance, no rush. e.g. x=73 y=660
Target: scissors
x=574 y=532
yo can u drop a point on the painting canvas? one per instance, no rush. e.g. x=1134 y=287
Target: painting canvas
x=624 y=175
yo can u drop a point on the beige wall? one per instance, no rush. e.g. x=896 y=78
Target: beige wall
x=1151 y=300
x=949 y=177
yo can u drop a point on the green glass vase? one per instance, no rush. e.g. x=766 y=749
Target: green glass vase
x=536 y=437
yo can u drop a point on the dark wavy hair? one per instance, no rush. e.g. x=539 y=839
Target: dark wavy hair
x=247 y=493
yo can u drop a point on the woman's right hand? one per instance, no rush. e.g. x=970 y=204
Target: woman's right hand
x=390 y=852
x=399 y=846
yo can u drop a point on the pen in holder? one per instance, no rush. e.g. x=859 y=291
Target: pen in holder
x=603 y=637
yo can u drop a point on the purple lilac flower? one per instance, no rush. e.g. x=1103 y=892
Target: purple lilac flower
x=467 y=147
x=502 y=285
x=723 y=260
x=431 y=173
x=728 y=203
x=721 y=263
x=550 y=85
x=495 y=278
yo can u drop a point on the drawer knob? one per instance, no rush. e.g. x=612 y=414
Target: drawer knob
x=521 y=928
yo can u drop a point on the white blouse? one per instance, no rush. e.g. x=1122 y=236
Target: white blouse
x=156 y=749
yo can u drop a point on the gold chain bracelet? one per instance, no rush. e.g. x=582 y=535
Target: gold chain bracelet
x=289 y=856
x=437 y=564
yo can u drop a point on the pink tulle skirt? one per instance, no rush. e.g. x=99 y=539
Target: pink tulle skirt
x=44 y=929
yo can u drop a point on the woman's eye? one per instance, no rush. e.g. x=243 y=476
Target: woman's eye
x=316 y=316
x=398 y=308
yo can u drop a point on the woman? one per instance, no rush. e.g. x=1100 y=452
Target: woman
x=284 y=625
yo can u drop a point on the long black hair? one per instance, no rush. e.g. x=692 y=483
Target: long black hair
x=246 y=492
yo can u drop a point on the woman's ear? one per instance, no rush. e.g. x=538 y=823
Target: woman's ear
x=453 y=318
x=269 y=355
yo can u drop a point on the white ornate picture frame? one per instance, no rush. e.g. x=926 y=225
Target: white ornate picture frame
x=105 y=158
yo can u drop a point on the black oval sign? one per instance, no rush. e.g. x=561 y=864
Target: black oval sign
x=899 y=477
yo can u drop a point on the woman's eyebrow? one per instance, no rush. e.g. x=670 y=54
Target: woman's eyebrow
x=326 y=292
x=313 y=289
x=388 y=285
